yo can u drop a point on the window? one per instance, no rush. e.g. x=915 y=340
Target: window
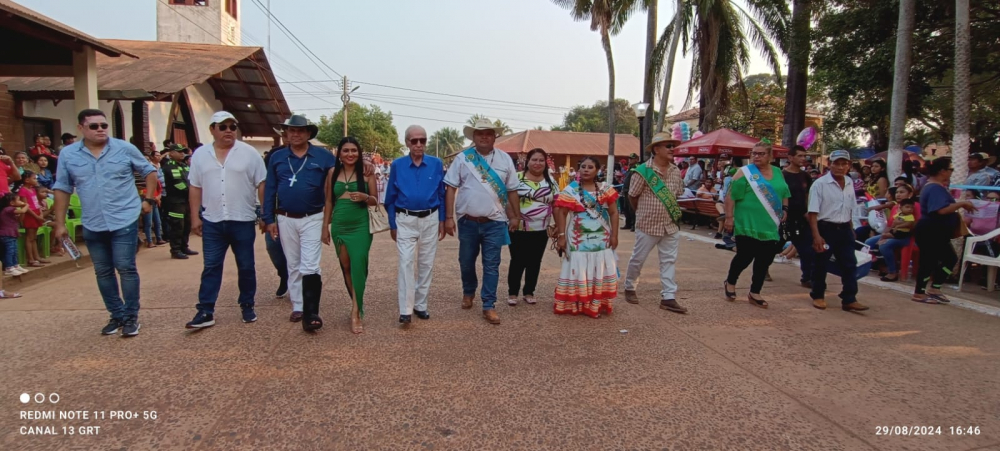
x=231 y=7
x=189 y=2
x=117 y=121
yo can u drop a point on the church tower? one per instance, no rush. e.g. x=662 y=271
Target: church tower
x=198 y=21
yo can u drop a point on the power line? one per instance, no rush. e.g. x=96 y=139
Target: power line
x=460 y=103
x=291 y=35
x=362 y=97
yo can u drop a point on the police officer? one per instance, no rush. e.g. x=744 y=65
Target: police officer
x=175 y=176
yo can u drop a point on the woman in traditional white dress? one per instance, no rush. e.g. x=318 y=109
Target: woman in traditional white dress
x=586 y=215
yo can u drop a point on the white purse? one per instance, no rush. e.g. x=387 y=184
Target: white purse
x=378 y=221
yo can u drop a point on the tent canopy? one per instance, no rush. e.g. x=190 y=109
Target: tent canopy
x=723 y=143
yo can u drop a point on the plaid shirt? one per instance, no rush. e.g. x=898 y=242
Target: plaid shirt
x=651 y=216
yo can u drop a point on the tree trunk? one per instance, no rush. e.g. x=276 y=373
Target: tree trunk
x=900 y=82
x=606 y=40
x=669 y=75
x=798 y=73
x=960 y=142
x=649 y=84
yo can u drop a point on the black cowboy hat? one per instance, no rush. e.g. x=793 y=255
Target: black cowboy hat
x=297 y=120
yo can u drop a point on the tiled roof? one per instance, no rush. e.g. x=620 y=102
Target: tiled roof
x=8 y=7
x=567 y=143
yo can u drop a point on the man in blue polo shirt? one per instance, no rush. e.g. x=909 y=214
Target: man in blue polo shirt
x=294 y=197
x=100 y=168
x=414 y=200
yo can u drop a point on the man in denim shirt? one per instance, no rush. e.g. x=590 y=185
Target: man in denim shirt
x=100 y=169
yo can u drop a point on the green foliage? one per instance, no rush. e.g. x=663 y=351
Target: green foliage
x=854 y=54
x=595 y=119
x=758 y=110
x=444 y=142
x=369 y=124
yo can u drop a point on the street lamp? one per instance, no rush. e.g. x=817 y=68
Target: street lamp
x=640 y=113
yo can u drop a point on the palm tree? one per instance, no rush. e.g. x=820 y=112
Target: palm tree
x=445 y=142
x=718 y=34
x=798 y=72
x=504 y=128
x=649 y=75
x=960 y=142
x=475 y=117
x=668 y=74
x=606 y=17
x=920 y=137
x=900 y=82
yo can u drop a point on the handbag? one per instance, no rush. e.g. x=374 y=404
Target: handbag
x=378 y=221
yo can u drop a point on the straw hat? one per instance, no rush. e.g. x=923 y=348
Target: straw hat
x=481 y=124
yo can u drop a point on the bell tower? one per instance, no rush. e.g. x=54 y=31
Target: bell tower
x=198 y=21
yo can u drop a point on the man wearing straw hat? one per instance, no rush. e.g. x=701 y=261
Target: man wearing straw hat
x=483 y=206
x=653 y=195
x=980 y=172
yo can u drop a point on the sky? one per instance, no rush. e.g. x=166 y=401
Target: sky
x=519 y=51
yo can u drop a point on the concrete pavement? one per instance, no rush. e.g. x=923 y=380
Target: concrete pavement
x=726 y=376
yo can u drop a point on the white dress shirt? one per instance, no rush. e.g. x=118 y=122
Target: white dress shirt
x=229 y=188
x=474 y=198
x=830 y=202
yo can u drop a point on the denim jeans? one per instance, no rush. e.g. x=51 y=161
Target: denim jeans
x=9 y=251
x=488 y=236
x=216 y=238
x=277 y=254
x=152 y=221
x=112 y=251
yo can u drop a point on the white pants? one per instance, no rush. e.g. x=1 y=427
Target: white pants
x=666 y=246
x=301 y=241
x=416 y=239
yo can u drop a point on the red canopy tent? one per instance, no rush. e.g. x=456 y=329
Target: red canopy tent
x=723 y=143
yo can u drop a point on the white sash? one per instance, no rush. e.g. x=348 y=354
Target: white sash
x=759 y=191
x=489 y=188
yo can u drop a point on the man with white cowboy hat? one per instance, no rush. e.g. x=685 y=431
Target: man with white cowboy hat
x=226 y=178
x=483 y=206
x=980 y=172
x=653 y=194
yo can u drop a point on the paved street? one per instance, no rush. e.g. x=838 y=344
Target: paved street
x=726 y=376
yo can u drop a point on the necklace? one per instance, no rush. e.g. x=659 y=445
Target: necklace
x=296 y=172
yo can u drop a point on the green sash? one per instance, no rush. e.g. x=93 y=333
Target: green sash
x=659 y=188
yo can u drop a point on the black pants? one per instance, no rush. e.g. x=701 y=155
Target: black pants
x=748 y=250
x=526 y=251
x=840 y=239
x=937 y=257
x=178 y=216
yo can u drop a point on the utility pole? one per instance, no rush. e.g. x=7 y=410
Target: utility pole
x=346 y=98
x=269 y=28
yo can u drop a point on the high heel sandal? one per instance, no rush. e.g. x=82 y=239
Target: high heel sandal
x=730 y=295
x=756 y=302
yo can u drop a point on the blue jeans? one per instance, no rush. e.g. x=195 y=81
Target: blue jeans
x=216 y=238
x=152 y=221
x=277 y=254
x=110 y=251
x=888 y=250
x=471 y=237
x=9 y=251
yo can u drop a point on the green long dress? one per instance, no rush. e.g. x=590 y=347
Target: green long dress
x=349 y=228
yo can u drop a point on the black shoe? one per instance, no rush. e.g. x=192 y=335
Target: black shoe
x=130 y=327
x=404 y=319
x=178 y=255
x=249 y=315
x=112 y=327
x=201 y=320
x=282 y=289
x=718 y=236
x=188 y=251
x=422 y=314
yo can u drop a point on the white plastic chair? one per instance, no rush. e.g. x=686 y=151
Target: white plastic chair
x=991 y=263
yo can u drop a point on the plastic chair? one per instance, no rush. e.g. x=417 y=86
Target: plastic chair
x=71 y=226
x=74 y=206
x=43 y=240
x=991 y=263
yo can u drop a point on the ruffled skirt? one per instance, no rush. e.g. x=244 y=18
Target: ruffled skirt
x=588 y=283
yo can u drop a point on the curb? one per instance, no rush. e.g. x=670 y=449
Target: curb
x=957 y=302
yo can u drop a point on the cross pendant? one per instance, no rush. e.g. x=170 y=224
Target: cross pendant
x=292 y=181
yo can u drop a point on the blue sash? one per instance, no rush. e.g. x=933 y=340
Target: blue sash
x=764 y=191
x=489 y=177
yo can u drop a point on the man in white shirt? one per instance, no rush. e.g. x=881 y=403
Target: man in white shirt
x=227 y=179
x=831 y=202
x=483 y=205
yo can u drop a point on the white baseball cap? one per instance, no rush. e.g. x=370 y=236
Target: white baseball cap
x=222 y=116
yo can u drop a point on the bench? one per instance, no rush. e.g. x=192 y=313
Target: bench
x=698 y=211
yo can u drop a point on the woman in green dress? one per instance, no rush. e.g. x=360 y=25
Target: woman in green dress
x=345 y=221
x=756 y=204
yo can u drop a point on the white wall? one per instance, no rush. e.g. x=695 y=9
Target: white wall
x=66 y=113
x=209 y=24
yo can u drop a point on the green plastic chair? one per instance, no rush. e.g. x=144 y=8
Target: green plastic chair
x=43 y=239
x=74 y=206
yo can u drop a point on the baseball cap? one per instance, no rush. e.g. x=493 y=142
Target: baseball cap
x=174 y=147
x=222 y=116
x=66 y=136
x=839 y=155
x=633 y=155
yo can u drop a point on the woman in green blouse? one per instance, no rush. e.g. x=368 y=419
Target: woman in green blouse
x=756 y=204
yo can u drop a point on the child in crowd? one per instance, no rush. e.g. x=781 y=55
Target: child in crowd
x=11 y=208
x=32 y=218
x=902 y=223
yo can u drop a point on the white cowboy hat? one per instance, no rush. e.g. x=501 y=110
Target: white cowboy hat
x=481 y=124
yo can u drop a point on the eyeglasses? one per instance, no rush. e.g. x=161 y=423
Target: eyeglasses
x=95 y=126
x=758 y=154
x=224 y=127
x=415 y=141
x=671 y=146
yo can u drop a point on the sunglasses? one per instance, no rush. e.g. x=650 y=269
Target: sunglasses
x=415 y=141
x=224 y=127
x=95 y=126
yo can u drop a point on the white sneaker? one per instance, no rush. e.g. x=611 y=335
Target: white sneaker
x=9 y=272
x=20 y=270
